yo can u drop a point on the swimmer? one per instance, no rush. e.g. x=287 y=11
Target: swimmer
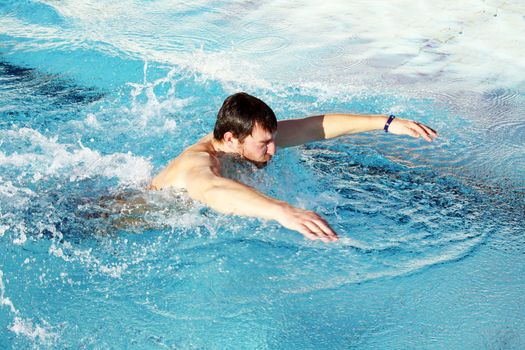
x=247 y=127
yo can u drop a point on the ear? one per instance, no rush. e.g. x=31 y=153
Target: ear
x=230 y=140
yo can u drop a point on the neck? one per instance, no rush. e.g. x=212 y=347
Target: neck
x=220 y=147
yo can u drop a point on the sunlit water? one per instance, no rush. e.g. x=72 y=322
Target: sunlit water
x=97 y=96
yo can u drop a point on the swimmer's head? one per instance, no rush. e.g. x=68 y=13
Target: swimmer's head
x=247 y=126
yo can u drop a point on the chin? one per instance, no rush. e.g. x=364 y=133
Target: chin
x=260 y=163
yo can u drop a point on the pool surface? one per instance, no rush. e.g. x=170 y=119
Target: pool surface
x=97 y=96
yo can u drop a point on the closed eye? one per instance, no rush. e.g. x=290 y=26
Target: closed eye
x=267 y=141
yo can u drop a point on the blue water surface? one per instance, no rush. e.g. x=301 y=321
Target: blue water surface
x=432 y=245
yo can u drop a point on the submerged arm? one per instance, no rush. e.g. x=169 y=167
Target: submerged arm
x=295 y=132
x=231 y=197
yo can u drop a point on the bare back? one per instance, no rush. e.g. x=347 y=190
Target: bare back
x=201 y=155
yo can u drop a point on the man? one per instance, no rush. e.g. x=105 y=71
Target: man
x=246 y=126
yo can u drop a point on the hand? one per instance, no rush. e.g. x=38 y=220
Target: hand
x=308 y=223
x=411 y=128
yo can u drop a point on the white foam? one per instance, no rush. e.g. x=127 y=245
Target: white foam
x=9 y=191
x=34 y=332
x=51 y=158
x=114 y=271
x=91 y=120
x=3 y=299
x=13 y=200
x=155 y=108
x=354 y=243
x=22 y=238
x=69 y=253
x=312 y=44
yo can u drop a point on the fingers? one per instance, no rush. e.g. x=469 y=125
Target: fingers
x=433 y=133
x=308 y=223
x=305 y=231
x=326 y=229
x=420 y=131
x=414 y=129
x=426 y=132
x=315 y=230
x=412 y=132
x=319 y=228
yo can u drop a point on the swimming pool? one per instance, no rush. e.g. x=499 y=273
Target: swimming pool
x=96 y=97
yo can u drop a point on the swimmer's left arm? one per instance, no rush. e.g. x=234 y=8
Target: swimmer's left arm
x=295 y=132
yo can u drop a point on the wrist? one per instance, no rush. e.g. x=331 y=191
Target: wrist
x=379 y=121
x=388 y=122
x=279 y=211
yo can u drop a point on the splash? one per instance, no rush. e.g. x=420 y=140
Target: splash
x=36 y=333
x=45 y=157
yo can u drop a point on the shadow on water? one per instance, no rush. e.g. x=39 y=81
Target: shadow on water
x=29 y=98
x=419 y=210
x=86 y=209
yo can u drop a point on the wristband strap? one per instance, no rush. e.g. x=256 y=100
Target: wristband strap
x=392 y=117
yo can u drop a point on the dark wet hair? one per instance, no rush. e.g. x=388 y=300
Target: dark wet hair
x=239 y=114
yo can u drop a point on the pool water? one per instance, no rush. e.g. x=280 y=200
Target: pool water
x=96 y=97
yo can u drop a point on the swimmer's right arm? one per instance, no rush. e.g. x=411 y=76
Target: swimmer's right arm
x=232 y=197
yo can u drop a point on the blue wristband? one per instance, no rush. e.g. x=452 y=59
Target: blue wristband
x=392 y=117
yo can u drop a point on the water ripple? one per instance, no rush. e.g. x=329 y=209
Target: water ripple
x=395 y=220
x=264 y=44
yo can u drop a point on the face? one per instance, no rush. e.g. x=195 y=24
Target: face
x=259 y=147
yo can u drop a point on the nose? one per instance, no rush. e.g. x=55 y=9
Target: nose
x=271 y=148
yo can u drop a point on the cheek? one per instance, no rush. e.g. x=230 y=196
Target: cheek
x=258 y=149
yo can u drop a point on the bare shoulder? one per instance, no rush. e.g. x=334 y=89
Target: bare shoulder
x=201 y=156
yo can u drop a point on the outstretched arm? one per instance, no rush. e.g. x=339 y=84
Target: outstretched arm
x=295 y=132
x=231 y=197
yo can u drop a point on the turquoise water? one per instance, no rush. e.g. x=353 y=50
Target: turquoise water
x=95 y=98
